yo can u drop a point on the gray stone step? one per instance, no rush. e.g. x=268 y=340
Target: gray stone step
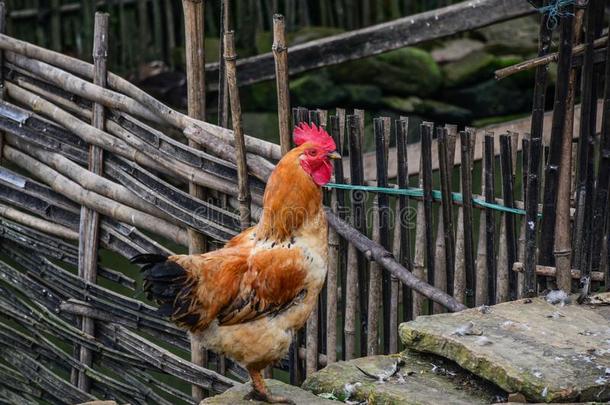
x=547 y=352
x=235 y=395
x=422 y=380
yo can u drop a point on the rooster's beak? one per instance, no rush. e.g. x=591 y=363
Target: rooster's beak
x=334 y=155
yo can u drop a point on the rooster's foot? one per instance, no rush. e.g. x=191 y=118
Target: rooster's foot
x=267 y=397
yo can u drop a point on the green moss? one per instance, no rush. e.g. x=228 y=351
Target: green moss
x=406 y=71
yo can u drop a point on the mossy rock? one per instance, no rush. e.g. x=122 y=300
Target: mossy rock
x=518 y=36
x=315 y=90
x=490 y=98
x=441 y=112
x=422 y=380
x=548 y=353
x=362 y=95
x=470 y=69
x=406 y=71
x=235 y=395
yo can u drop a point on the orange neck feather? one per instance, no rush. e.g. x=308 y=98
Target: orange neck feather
x=291 y=199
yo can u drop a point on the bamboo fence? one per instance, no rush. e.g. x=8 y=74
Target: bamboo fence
x=399 y=248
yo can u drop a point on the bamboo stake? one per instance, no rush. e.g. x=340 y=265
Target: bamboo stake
x=489 y=218
x=426 y=142
x=549 y=211
x=90 y=220
x=280 y=55
x=508 y=240
x=562 y=247
x=195 y=78
x=445 y=239
x=382 y=141
x=419 y=268
x=223 y=90
x=525 y=170
x=244 y=197
x=599 y=201
x=467 y=141
x=482 y=294
x=374 y=290
x=402 y=130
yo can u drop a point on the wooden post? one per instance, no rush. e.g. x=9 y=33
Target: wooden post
x=563 y=246
x=507 y=171
x=223 y=92
x=402 y=130
x=334 y=256
x=444 y=261
x=490 y=222
x=426 y=148
x=280 y=55
x=551 y=178
x=244 y=196
x=466 y=138
x=90 y=219
x=195 y=78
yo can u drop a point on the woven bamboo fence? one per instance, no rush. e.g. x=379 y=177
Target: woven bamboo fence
x=463 y=231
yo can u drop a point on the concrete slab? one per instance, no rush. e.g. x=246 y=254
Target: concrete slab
x=547 y=352
x=235 y=395
x=422 y=380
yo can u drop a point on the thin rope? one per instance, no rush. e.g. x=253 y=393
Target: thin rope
x=419 y=192
x=555 y=11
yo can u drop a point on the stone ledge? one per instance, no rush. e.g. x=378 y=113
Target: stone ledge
x=235 y=395
x=422 y=380
x=548 y=353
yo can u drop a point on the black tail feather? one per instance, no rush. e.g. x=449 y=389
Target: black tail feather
x=148 y=258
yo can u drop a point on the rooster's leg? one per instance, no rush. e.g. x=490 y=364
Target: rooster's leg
x=260 y=392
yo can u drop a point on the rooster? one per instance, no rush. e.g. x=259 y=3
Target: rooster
x=248 y=299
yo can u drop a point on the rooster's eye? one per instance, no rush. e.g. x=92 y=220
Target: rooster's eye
x=312 y=152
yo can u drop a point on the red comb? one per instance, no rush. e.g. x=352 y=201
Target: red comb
x=316 y=135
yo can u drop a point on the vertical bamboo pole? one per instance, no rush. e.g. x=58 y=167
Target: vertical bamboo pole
x=482 y=294
x=195 y=77
x=402 y=130
x=563 y=247
x=383 y=145
x=466 y=177
x=426 y=156
x=90 y=219
x=223 y=91
x=244 y=197
x=506 y=280
x=341 y=207
x=490 y=223
x=374 y=299
x=586 y=141
x=353 y=258
x=531 y=203
x=444 y=261
x=525 y=147
x=377 y=281
x=359 y=207
x=549 y=207
x=419 y=267
x=600 y=214
x=280 y=55
x=334 y=258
